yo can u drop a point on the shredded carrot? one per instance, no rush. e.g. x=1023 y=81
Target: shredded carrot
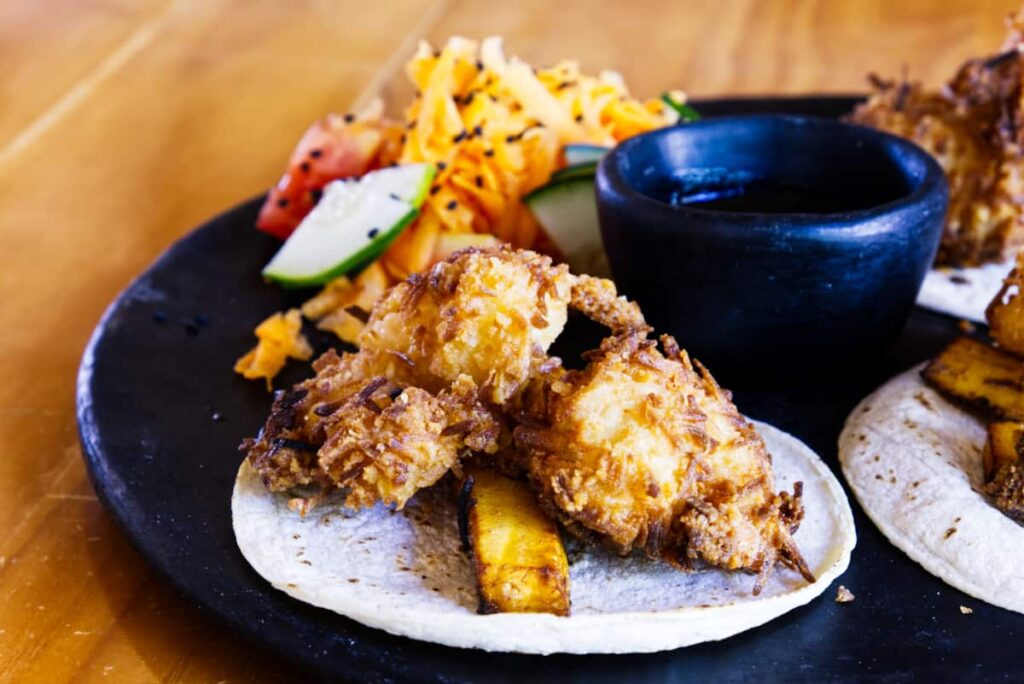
x=280 y=337
x=496 y=127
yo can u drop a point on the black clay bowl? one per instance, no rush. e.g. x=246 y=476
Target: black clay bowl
x=816 y=263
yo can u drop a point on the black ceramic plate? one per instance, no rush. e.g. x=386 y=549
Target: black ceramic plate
x=159 y=368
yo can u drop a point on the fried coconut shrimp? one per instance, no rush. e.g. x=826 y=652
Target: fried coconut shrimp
x=974 y=127
x=441 y=356
x=646 y=452
x=491 y=314
x=352 y=427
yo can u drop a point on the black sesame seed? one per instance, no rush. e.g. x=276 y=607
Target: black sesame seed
x=283 y=202
x=315 y=194
x=488 y=153
x=578 y=118
x=451 y=205
x=316 y=154
x=468 y=100
x=478 y=130
x=394 y=196
x=304 y=167
x=372 y=233
x=434 y=189
x=393 y=164
x=479 y=181
x=401 y=139
x=479 y=65
x=511 y=138
x=159 y=316
x=566 y=84
x=349 y=118
x=460 y=137
x=441 y=166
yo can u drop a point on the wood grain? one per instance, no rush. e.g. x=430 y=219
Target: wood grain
x=123 y=123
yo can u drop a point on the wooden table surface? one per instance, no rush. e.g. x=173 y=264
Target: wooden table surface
x=124 y=123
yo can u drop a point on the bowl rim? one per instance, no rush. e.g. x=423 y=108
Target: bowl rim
x=612 y=186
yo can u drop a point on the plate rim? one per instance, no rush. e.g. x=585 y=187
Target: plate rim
x=94 y=459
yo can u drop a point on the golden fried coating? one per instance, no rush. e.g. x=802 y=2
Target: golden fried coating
x=491 y=314
x=388 y=449
x=285 y=451
x=647 y=452
x=975 y=129
x=597 y=299
x=358 y=425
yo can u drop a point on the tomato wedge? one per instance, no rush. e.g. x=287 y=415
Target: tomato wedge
x=332 y=148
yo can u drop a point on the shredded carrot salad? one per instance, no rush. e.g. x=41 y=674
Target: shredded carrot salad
x=495 y=127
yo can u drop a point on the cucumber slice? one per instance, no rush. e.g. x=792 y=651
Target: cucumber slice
x=567 y=209
x=351 y=225
x=581 y=154
x=686 y=112
x=409 y=182
x=587 y=169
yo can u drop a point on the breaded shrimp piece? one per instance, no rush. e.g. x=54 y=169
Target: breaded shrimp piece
x=285 y=451
x=491 y=314
x=354 y=426
x=388 y=450
x=646 y=452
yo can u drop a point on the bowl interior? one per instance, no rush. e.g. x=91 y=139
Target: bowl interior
x=771 y=164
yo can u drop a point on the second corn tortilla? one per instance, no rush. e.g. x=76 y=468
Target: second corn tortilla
x=405 y=572
x=913 y=460
x=963 y=292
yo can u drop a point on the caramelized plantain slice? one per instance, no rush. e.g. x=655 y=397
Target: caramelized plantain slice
x=1004 y=446
x=517 y=551
x=980 y=375
x=1006 y=312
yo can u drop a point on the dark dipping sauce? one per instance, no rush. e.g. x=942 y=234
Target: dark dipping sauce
x=742 y=192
